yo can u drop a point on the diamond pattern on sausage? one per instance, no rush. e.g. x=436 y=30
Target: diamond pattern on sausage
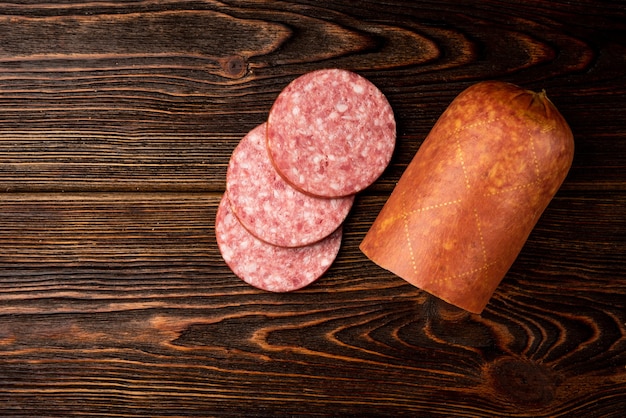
x=464 y=207
x=269 y=207
x=331 y=133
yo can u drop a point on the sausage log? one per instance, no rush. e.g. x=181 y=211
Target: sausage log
x=466 y=204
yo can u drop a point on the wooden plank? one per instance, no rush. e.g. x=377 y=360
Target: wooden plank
x=149 y=96
x=120 y=304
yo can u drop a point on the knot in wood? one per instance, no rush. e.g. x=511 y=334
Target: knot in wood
x=234 y=66
x=524 y=383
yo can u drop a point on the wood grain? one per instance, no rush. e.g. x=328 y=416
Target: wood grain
x=117 y=120
x=115 y=297
x=152 y=97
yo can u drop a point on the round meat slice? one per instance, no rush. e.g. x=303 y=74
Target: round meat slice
x=269 y=207
x=331 y=133
x=266 y=266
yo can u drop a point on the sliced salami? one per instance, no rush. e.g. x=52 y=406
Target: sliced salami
x=269 y=207
x=266 y=266
x=331 y=133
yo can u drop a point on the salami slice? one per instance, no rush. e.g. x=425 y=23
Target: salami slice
x=269 y=207
x=331 y=133
x=266 y=266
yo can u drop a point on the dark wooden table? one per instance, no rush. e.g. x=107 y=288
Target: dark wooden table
x=117 y=120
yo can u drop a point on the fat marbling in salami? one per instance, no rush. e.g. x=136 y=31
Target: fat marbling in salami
x=331 y=133
x=266 y=266
x=269 y=207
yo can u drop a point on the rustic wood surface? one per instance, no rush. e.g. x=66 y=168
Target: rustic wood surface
x=117 y=119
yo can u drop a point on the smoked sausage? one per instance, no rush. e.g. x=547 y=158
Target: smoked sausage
x=466 y=204
x=269 y=267
x=331 y=133
x=269 y=207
